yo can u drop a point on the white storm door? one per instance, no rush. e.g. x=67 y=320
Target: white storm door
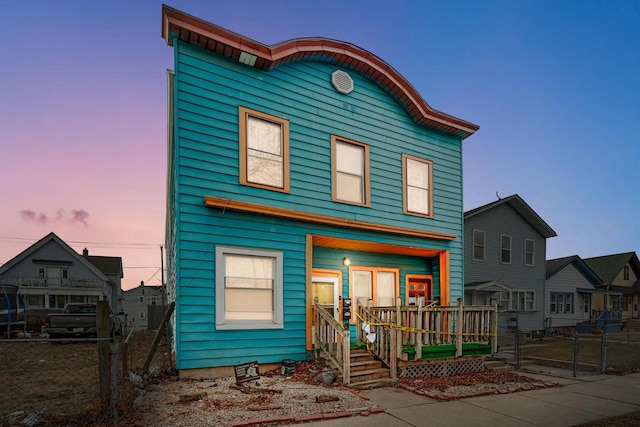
x=325 y=289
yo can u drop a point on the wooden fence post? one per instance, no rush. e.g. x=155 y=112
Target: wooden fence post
x=103 y=324
x=156 y=340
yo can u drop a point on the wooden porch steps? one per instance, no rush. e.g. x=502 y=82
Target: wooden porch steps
x=366 y=370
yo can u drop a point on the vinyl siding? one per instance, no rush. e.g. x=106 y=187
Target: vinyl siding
x=504 y=220
x=566 y=280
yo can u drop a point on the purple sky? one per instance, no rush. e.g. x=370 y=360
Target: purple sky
x=553 y=85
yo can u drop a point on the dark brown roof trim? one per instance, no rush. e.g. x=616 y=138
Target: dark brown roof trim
x=227 y=43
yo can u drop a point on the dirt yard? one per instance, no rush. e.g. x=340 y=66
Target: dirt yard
x=59 y=381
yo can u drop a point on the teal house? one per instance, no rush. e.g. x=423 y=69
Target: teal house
x=307 y=173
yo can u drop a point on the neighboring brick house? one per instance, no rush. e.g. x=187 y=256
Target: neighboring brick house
x=505 y=250
x=308 y=170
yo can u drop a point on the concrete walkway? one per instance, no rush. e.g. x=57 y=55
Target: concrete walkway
x=576 y=401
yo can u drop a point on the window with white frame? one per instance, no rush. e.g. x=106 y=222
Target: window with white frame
x=141 y=300
x=264 y=150
x=141 y=314
x=529 y=252
x=504 y=300
x=523 y=300
x=478 y=245
x=505 y=249
x=249 y=288
x=417 y=180
x=561 y=302
x=378 y=285
x=625 y=272
x=350 y=172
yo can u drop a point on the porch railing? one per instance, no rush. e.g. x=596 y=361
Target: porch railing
x=607 y=316
x=331 y=337
x=403 y=329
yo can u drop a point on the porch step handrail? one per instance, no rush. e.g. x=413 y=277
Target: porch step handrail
x=332 y=338
x=383 y=343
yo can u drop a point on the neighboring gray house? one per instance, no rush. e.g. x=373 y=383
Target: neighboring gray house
x=136 y=302
x=570 y=292
x=50 y=274
x=504 y=258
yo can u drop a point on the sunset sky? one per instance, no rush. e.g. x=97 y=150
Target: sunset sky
x=554 y=86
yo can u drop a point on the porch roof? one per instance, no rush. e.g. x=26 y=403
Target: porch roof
x=490 y=286
x=597 y=291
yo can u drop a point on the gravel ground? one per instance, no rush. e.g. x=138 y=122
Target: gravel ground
x=217 y=403
x=172 y=402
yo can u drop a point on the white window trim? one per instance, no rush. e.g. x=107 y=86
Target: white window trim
x=514 y=300
x=278 y=301
x=473 y=245
x=560 y=308
x=405 y=185
x=502 y=248
x=366 y=173
x=533 y=253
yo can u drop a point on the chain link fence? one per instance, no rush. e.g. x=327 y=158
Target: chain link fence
x=571 y=353
x=58 y=382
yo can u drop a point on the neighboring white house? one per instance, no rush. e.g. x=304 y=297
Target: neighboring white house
x=136 y=302
x=569 y=291
x=50 y=274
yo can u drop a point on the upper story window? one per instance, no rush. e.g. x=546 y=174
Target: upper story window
x=350 y=172
x=417 y=186
x=264 y=150
x=625 y=272
x=478 y=245
x=505 y=249
x=529 y=252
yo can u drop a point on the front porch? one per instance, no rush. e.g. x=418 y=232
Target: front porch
x=401 y=341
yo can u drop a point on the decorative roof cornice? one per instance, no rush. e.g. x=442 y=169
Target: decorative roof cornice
x=179 y=25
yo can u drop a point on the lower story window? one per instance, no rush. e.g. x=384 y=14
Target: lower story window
x=523 y=300
x=248 y=289
x=379 y=286
x=561 y=302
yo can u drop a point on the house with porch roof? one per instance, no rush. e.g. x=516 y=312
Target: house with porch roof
x=619 y=273
x=308 y=180
x=50 y=274
x=505 y=255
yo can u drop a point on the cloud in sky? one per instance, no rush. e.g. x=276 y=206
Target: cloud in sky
x=78 y=216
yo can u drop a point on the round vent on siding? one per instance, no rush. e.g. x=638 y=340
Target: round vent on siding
x=342 y=82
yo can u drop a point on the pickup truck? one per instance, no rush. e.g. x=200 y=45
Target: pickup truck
x=76 y=320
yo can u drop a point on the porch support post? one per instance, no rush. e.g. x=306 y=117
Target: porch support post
x=399 y=333
x=459 y=324
x=358 y=326
x=419 y=324
x=493 y=329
